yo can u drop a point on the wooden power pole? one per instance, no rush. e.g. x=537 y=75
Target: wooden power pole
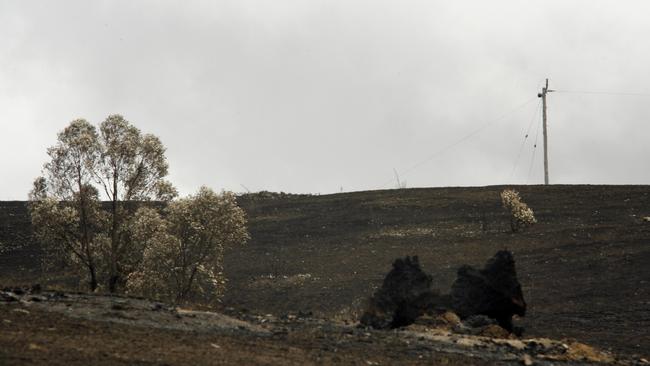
x=542 y=95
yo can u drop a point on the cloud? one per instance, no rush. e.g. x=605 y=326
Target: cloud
x=309 y=96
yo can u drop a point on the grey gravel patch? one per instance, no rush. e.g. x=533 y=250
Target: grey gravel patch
x=133 y=312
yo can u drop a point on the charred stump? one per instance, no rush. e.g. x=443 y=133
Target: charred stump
x=405 y=295
x=493 y=291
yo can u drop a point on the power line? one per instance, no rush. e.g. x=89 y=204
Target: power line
x=523 y=143
x=603 y=93
x=532 y=160
x=481 y=128
x=461 y=140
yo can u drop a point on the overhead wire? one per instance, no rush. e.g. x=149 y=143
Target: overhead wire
x=523 y=143
x=602 y=92
x=461 y=140
x=532 y=159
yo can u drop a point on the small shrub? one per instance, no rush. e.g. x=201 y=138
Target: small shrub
x=521 y=215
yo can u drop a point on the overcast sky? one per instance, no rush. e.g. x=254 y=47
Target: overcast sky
x=319 y=96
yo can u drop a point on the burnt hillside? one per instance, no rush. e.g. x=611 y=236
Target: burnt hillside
x=583 y=267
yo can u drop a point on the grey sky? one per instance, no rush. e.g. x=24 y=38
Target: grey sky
x=312 y=96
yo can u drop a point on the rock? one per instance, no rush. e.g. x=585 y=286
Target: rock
x=405 y=295
x=446 y=320
x=545 y=345
x=481 y=325
x=515 y=344
x=582 y=352
x=469 y=342
x=8 y=297
x=493 y=291
x=417 y=327
x=451 y=318
x=493 y=331
x=527 y=360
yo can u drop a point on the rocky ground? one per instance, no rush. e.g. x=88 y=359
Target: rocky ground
x=55 y=328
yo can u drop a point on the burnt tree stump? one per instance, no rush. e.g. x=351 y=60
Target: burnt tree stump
x=405 y=294
x=493 y=291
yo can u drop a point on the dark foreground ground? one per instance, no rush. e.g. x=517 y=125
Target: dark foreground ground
x=584 y=267
x=54 y=328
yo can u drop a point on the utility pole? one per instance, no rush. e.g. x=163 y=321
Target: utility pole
x=542 y=95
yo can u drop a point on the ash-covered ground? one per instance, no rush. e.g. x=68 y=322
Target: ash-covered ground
x=583 y=267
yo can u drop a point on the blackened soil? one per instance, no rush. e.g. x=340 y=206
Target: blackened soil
x=584 y=267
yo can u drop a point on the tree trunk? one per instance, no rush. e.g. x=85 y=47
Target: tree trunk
x=182 y=296
x=93 y=278
x=114 y=276
x=85 y=236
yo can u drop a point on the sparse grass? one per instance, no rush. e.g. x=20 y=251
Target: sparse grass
x=404 y=232
x=281 y=280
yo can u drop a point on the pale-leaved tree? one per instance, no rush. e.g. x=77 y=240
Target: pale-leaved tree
x=64 y=205
x=184 y=258
x=66 y=211
x=132 y=168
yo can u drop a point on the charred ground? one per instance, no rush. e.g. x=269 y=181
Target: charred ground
x=583 y=268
